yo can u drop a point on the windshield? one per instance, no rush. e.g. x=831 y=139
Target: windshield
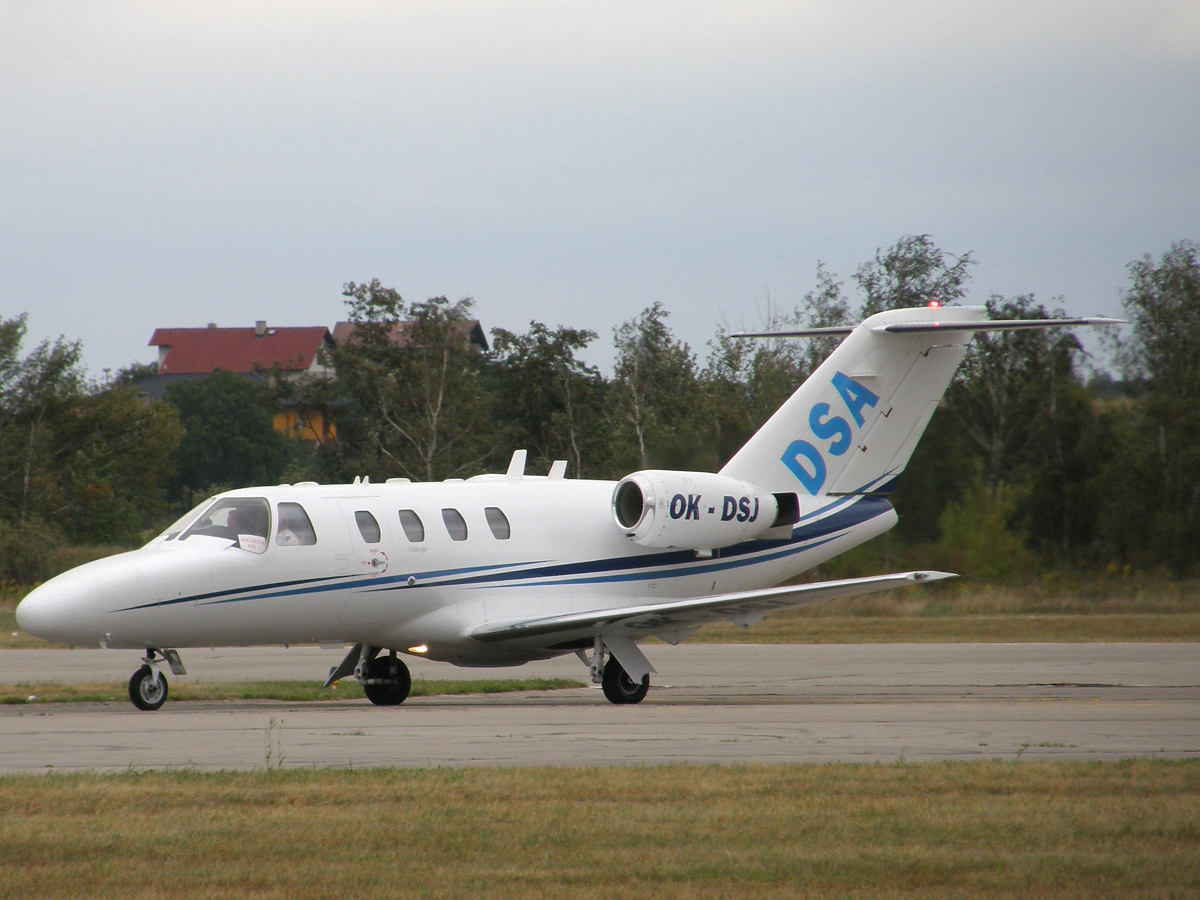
x=244 y=520
x=172 y=531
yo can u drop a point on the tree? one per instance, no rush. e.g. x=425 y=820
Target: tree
x=653 y=394
x=1016 y=418
x=551 y=400
x=420 y=388
x=1007 y=391
x=745 y=381
x=1163 y=305
x=116 y=460
x=229 y=433
x=913 y=272
x=34 y=391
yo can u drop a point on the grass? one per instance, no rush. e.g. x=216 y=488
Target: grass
x=981 y=829
x=790 y=628
x=1050 y=609
x=286 y=691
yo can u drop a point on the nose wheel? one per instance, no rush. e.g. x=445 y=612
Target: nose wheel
x=148 y=688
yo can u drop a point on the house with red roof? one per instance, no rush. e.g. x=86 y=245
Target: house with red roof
x=186 y=354
x=469 y=330
x=192 y=351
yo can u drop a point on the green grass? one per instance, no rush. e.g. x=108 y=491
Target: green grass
x=287 y=691
x=945 y=830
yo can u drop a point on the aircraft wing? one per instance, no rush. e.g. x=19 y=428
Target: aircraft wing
x=674 y=616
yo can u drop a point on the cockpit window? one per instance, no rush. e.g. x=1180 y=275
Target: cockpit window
x=295 y=529
x=244 y=520
x=367 y=526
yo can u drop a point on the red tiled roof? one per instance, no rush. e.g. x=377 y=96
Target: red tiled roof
x=200 y=350
x=469 y=328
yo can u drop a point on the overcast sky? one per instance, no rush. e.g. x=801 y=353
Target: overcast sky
x=172 y=164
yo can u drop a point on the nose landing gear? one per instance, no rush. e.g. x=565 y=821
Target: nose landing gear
x=148 y=686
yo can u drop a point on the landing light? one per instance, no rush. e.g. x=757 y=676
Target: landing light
x=418 y=649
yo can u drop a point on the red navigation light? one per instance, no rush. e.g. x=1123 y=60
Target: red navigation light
x=933 y=304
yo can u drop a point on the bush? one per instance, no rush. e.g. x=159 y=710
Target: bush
x=27 y=552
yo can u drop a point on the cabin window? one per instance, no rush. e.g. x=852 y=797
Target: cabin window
x=456 y=525
x=414 y=528
x=244 y=520
x=498 y=522
x=295 y=528
x=367 y=526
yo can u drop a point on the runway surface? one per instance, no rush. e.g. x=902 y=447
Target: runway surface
x=708 y=704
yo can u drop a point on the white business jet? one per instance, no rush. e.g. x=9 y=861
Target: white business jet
x=498 y=570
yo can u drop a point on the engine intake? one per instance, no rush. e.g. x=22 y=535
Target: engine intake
x=696 y=510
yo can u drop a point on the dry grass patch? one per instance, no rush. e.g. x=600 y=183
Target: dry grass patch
x=1027 y=830
x=797 y=627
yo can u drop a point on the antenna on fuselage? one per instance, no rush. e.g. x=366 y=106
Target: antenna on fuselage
x=516 y=467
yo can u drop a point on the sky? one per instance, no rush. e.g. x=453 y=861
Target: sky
x=174 y=164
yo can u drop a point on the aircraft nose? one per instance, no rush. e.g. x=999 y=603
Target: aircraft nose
x=65 y=609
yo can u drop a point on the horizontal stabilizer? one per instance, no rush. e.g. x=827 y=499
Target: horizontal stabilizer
x=646 y=620
x=993 y=325
x=920 y=327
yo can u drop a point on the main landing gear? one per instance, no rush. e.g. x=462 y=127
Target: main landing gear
x=148 y=686
x=385 y=679
x=618 y=687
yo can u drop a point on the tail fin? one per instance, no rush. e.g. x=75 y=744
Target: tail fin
x=852 y=426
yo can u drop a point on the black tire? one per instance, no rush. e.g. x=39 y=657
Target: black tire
x=393 y=684
x=148 y=689
x=619 y=687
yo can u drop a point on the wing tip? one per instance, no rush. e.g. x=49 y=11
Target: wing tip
x=930 y=575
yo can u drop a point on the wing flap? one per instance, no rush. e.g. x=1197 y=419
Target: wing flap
x=645 y=620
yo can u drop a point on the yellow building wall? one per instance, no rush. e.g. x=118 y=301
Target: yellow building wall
x=306 y=424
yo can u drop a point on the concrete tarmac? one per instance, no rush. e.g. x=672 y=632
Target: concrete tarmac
x=708 y=704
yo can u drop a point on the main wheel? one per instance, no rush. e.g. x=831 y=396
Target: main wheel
x=391 y=681
x=619 y=687
x=148 y=689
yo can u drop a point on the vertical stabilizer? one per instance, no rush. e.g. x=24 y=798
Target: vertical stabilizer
x=852 y=426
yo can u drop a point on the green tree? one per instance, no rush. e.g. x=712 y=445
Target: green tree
x=746 y=380
x=34 y=393
x=1010 y=387
x=1163 y=458
x=654 y=394
x=116 y=460
x=229 y=434
x=552 y=401
x=422 y=394
x=913 y=272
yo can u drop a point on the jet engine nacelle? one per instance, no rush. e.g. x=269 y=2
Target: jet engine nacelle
x=696 y=510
